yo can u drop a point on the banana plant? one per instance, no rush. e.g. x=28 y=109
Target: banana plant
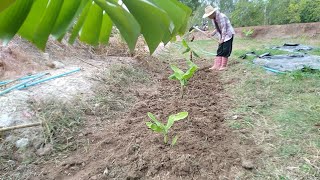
x=183 y=77
x=92 y=20
x=158 y=127
x=188 y=49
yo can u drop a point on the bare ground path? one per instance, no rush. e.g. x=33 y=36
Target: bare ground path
x=127 y=149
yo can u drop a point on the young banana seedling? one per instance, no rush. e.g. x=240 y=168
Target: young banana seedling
x=183 y=77
x=158 y=127
x=188 y=49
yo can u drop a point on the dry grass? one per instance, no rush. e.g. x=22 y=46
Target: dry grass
x=113 y=91
x=61 y=122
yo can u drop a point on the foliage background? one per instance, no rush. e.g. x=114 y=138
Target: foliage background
x=260 y=12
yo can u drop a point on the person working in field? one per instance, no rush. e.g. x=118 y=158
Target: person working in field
x=226 y=33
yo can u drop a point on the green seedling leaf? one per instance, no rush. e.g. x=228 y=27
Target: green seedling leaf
x=173 y=77
x=165 y=138
x=149 y=124
x=154 y=127
x=165 y=129
x=190 y=72
x=178 y=73
x=187 y=50
x=174 y=140
x=195 y=54
x=179 y=116
x=185 y=44
x=183 y=77
x=190 y=63
x=154 y=119
x=175 y=117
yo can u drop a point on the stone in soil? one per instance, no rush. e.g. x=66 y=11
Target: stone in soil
x=247 y=164
x=46 y=150
x=22 y=143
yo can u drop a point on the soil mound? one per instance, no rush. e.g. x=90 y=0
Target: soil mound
x=206 y=148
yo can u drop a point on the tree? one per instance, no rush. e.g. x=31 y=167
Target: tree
x=282 y=12
x=248 y=13
x=92 y=20
x=193 y=4
x=227 y=6
x=310 y=10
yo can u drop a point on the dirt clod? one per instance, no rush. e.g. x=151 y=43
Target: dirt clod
x=46 y=150
x=247 y=164
x=22 y=143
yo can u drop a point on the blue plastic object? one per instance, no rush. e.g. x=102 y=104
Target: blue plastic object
x=19 y=79
x=47 y=79
x=273 y=70
x=21 y=84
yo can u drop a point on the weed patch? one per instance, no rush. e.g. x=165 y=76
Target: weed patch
x=304 y=73
x=113 y=92
x=315 y=51
x=61 y=121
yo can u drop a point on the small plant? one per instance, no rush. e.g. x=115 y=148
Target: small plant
x=188 y=49
x=158 y=127
x=248 y=33
x=183 y=77
x=305 y=72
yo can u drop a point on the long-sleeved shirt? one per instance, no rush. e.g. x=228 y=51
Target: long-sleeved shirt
x=224 y=26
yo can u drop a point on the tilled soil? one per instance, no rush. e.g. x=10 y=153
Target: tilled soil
x=127 y=149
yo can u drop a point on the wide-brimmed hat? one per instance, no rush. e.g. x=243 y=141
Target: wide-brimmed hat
x=208 y=11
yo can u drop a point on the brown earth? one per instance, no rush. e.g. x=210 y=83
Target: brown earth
x=127 y=149
x=310 y=30
x=20 y=58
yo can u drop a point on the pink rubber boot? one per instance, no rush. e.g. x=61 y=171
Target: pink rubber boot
x=224 y=63
x=217 y=63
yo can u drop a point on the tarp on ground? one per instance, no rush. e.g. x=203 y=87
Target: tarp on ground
x=293 y=47
x=289 y=62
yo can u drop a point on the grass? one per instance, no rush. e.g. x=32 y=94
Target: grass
x=279 y=111
x=315 y=51
x=61 y=122
x=285 y=110
x=113 y=91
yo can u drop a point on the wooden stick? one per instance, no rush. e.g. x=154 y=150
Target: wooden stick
x=20 y=127
x=87 y=62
